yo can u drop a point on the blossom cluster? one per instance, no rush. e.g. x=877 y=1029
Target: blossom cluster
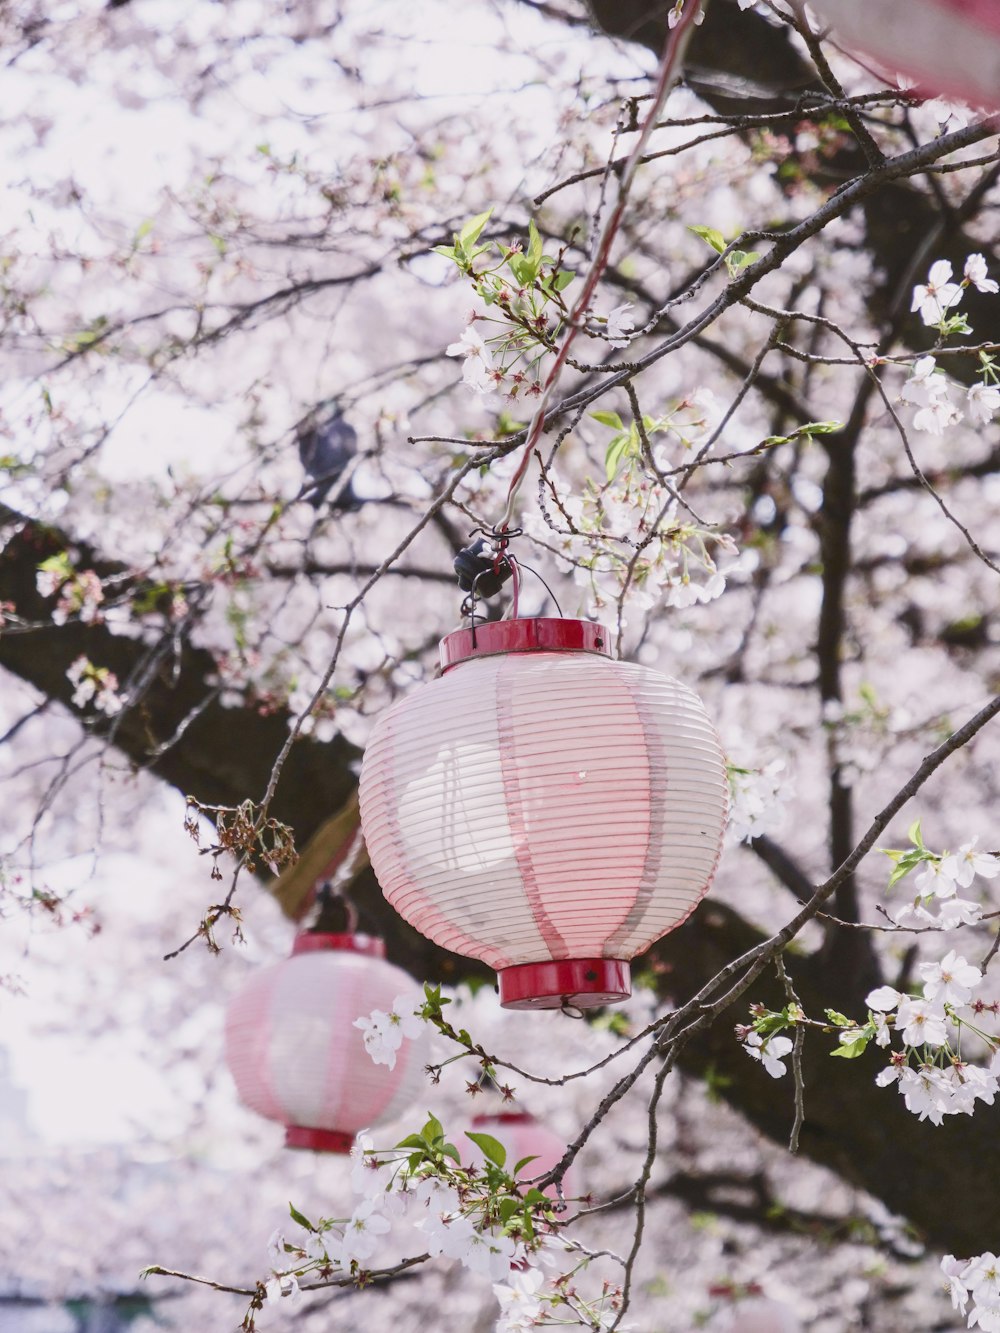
x=929 y=389
x=383 y=1033
x=454 y=1211
x=939 y=876
x=755 y=800
x=977 y=1279
x=940 y=1082
x=96 y=685
x=80 y=594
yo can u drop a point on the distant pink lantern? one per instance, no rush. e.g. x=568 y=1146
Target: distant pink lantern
x=544 y=808
x=949 y=47
x=297 y=1058
x=523 y=1136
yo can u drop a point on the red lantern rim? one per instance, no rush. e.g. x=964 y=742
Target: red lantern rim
x=583 y=983
x=318 y=1140
x=528 y=634
x=313 y=941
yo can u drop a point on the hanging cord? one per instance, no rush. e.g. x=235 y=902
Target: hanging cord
x=670 y=67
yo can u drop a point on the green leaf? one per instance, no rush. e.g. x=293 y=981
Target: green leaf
x=907 y=862
x=411 y=1141
x=449 y=1150
x=534 y=255
x=447 y=250
x=562 y=280
x=472 y=230
x=852 y=1049
x=524 y=1162
x=433 y=1132
x=818 y=428
x=521 y=269
x=914 y=834
x=616 y=454
x=711 y=237
x=296 y=1216
x=740 y=259
x=490 y=1147
x=838 y=1019
x=609 y=419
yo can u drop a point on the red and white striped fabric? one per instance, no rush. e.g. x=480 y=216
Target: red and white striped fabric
x=950 y=47
x=551 y=812
x=297 y=1058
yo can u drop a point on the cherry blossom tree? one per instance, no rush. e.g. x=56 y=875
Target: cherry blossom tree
x=697 y=317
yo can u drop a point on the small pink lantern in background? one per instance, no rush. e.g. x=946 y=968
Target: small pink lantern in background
x=544 y=808
x=950 y=47
x=523 y=1136
x=295 y=1054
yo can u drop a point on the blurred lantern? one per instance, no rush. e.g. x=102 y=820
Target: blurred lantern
x=545 y=808
x=950 y=47
x=297 y=1058
x=522 y=1136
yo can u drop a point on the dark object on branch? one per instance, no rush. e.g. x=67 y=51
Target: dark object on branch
x=481 y=568
x=327 y=444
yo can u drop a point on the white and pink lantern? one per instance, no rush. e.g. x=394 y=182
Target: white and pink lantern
x=949 y=47
x=545 y=808
x=295 y=1054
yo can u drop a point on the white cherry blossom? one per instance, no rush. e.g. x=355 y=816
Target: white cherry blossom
x=923 y=1093
x=972 y=863
x=951 y=981
x=982 y=1277
x=519 y=1300
x=478 y=359
x=383 y=1033
x=922 y=1022
x=770 y=1052
x=936 y=297
x=286 y=1286
x=883 y=999
x=975 y=272
x=937 y=877
x=362 y=1231
x=953 y=1268
x=619 y=325
x=982 y=402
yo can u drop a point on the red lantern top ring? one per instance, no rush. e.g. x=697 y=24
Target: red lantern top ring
x=538 y=634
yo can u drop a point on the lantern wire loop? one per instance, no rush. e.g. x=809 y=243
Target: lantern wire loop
x=571 y=1010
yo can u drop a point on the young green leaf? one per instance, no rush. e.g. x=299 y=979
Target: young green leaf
x=296 y=1216
x=609 y=419
x=711 y=237
x=472 y=230
x=490 y=1147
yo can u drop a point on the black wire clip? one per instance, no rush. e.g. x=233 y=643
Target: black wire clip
x=483 y=566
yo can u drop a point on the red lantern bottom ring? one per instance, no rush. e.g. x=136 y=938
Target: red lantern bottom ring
x=319 y=1140
x=585 y=983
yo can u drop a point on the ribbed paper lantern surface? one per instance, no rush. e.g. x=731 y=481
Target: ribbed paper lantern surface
x=296 y=1056
x=950 y=47
x=544 y=808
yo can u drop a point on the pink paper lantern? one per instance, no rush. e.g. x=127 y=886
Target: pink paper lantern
x=544 y=808
x=950 y=47
x=522 y=1136
x=295 y=1054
